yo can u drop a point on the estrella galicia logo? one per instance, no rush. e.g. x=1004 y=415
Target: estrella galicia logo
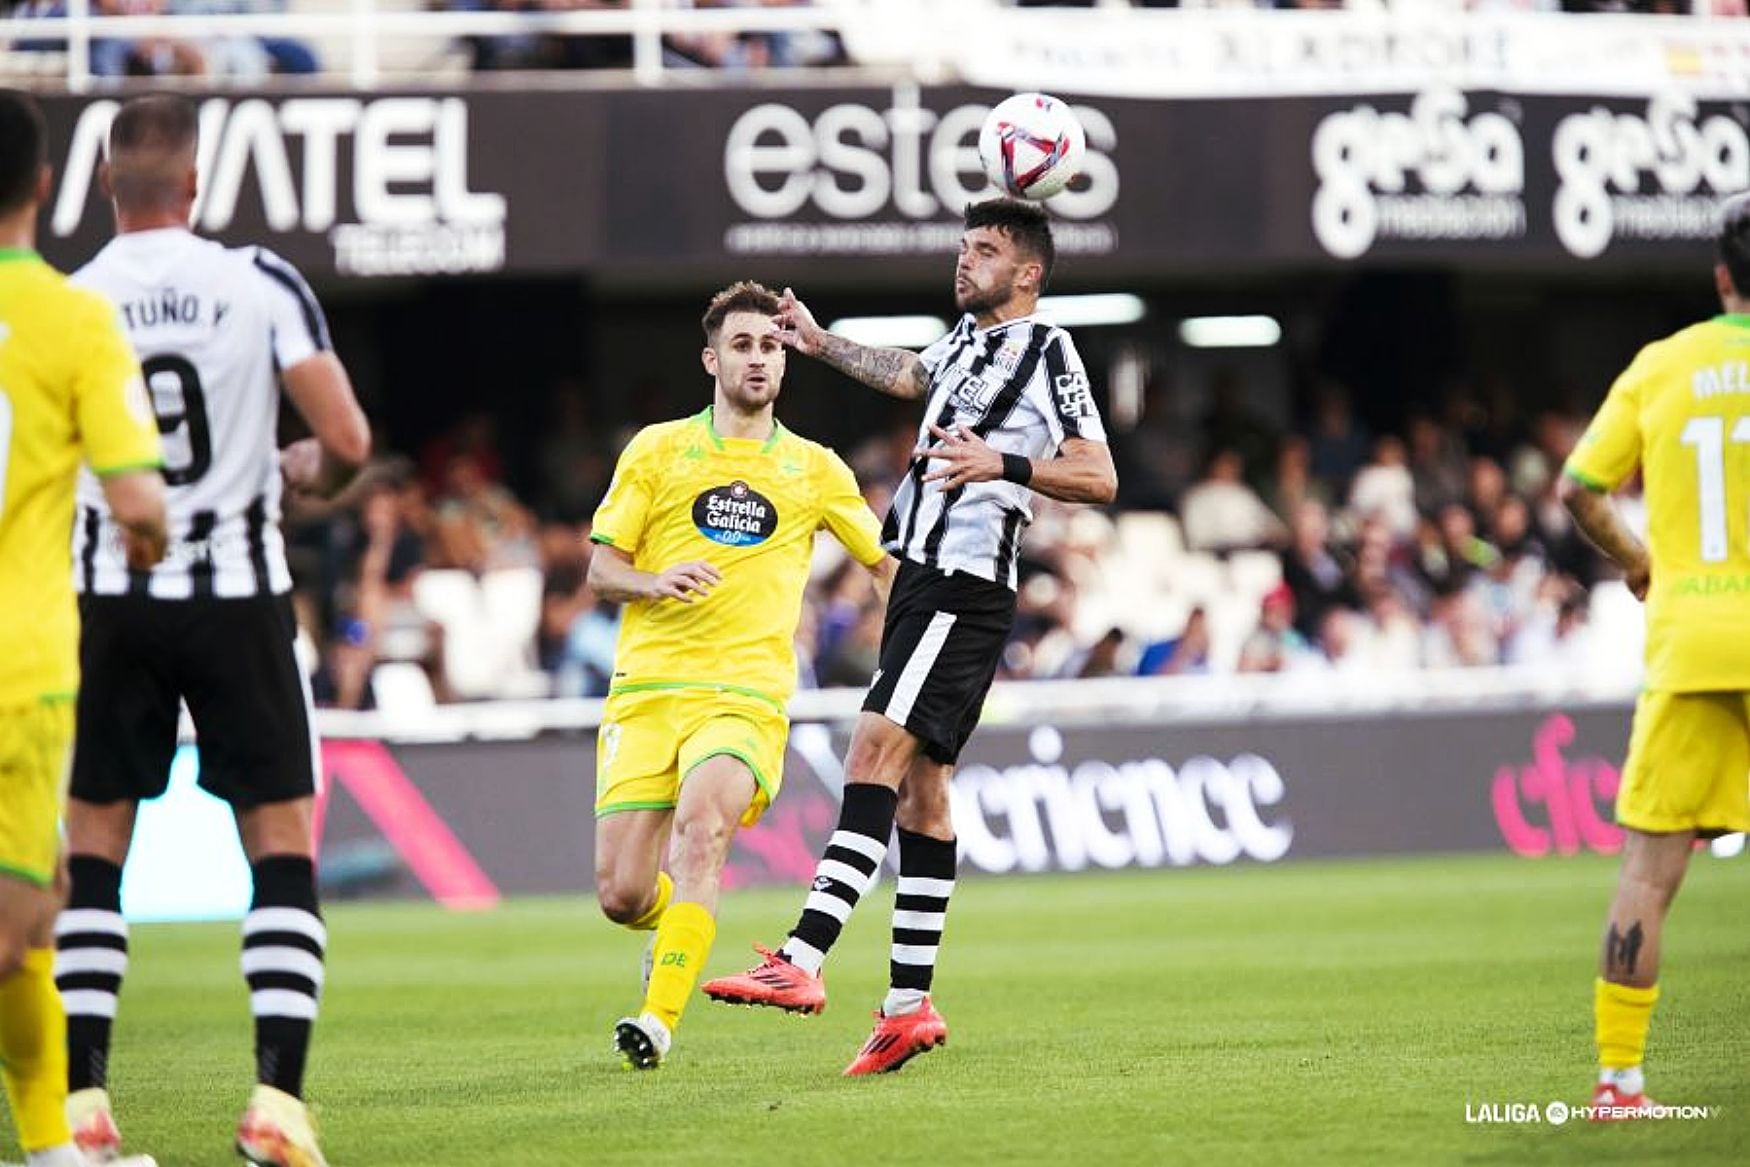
x=736 y=515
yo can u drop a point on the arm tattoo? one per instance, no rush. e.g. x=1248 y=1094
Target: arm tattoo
x=893 y=371
x=1622 y=950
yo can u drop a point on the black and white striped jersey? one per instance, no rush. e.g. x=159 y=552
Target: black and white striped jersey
x=1019 y=385
x=213 y=327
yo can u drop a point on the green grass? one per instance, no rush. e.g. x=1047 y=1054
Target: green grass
x=1314 y=1013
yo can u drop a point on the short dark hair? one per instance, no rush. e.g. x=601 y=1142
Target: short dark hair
x=24 y=148
x=1733 y=240
x=1025 y=223
x=741 y=296
x=160 y=124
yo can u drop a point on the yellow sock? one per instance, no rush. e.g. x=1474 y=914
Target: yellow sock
x=683 y=941
x=1623 y=1014
x=664 y=893
x=33 y=1046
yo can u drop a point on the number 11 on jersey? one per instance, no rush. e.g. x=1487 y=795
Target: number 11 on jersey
x=1708 y=436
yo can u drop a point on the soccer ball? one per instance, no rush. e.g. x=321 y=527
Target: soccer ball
x=1031 y=145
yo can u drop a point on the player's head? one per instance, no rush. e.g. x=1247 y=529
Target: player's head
x=1006 y=255
x=151 y=165
x=24 y=154
x=1732 y=272
x=742 y=350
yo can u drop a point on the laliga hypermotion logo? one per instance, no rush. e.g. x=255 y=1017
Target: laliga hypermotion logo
x=1430 y=174
x=414 y=213
x=1603 y=160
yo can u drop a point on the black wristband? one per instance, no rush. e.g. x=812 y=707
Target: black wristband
x=1017 y=469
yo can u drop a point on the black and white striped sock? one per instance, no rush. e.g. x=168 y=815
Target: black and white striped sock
x=847 y=870
x=91 y=958
x=920 y=910
x=284 y=942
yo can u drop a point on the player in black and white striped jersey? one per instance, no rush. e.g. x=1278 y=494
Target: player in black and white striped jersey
x=220 y=333
x=1008 y=412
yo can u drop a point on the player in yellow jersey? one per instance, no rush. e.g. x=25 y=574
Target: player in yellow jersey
x=70 y=389
x=1681 y=414
x=706 y=535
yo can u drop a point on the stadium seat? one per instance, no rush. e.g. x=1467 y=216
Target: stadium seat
x=1254 y=573
x=512 y=607
x=401 y=687
x=1199 y=578
x=453 y=599
x=1151 y=541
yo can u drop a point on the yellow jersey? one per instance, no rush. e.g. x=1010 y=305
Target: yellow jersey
x=1681 y=412
x=69 y=388
x=750 y=509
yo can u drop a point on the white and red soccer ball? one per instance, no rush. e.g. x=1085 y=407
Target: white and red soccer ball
x=1031 y=145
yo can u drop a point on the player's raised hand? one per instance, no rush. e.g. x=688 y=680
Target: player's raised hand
x=683 y=581
x=966 y=457
x=301 y=464
x=144 y=550
x=1639 y=578
x=794 y=324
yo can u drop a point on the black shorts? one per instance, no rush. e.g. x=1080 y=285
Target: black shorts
x=231 y=660
x=939 y=652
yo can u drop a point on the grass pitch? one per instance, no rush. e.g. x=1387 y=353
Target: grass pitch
x=1312 y=1013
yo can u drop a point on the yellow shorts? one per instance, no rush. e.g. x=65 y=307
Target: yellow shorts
x=651 y=740
x=1688 y=764
x=36 y=747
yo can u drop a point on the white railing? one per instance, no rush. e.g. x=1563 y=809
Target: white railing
x=1129 y=700
x=365 y=26
x=1112 y=51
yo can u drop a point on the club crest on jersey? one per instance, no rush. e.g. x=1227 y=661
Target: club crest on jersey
x=1009 y=356
x=736 y=515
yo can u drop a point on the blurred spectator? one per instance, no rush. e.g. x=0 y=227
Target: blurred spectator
x=1339 y=445
x=248 y=58
x=1459 y=635
x=1104 y=658
x=474 y=434
x=1315 y=575
x=1185 y=653
x=480 y=525
x=110 y=57
x=1384 y=489
x=1294 y=483
x=1342 y=640
x=1448 y=561
x=1222 y=513
x=1275 y=645
x=1437 y=464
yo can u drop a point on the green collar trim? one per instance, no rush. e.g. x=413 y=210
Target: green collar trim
x=7 y=253
x=706 y=418
x=1736 y=319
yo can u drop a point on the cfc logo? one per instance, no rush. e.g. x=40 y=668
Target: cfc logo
x=1430 y=174
x=1603 y=159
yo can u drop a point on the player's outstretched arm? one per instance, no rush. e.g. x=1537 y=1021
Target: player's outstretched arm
x=1598 y=517
x=1081 y=472
x=322 y=393
x=896 y=372
x=612 y=577
x=136 y=501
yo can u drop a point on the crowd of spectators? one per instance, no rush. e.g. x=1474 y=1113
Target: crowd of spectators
x=1321 y=548
x=231 y=57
